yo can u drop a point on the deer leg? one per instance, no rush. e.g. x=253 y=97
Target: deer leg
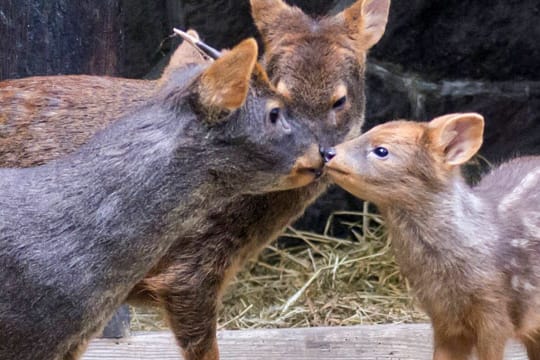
x=490 y=345
x=452 y=347
x=192 y=315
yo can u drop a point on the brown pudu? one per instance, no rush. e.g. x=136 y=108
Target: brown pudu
x=470 y=254
x=44 y=117
x=318 y=66
x=319 y=63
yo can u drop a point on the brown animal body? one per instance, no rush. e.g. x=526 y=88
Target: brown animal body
x=318 y=66
x=45 y=117
x=470 y=254
x=28 y=105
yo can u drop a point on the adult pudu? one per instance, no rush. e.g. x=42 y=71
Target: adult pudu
x=78 y=233
x=44 y=117
x=470 y=254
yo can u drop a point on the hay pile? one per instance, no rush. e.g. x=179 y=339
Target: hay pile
x=324 y=281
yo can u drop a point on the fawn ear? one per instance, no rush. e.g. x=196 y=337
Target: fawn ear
x=271 y=15
x=366 y=21
x=224 y=85
x=459 y=136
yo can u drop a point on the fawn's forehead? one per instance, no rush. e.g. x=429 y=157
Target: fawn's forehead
x=396 y=132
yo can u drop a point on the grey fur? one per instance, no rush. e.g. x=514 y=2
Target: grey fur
x=78 y=233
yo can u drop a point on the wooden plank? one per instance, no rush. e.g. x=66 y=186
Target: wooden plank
x=368 y=342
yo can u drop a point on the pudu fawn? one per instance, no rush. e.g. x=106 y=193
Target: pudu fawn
x=318 y=66
x=78 y=233
x=471 y=254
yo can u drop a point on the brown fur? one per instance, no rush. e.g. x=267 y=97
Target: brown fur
x=468 y=255
x=311 y=62
x=317 y=60
x=27 y=106
x=45 y=117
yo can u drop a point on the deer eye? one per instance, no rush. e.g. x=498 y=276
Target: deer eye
x=273 y=115
x=340 y=103
x=381 y=152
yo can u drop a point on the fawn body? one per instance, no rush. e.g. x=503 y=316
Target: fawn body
x=318 y=66
x=77 y=234
x=470 y=254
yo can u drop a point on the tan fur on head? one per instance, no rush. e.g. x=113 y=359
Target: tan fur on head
x=224 y=85
x=316 y=62
x=457 y=136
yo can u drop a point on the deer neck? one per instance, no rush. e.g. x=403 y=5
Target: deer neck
x=442 y=232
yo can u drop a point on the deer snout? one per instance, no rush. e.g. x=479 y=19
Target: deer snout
x=327 y=153
x=337 y=160
x=308 y=167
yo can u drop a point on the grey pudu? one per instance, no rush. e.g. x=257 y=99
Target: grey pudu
x=471 y=255
x=78 y=233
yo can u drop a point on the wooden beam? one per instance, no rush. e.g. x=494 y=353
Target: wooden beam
x=373 y=342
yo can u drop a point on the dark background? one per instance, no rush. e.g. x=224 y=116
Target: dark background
x=436 y=57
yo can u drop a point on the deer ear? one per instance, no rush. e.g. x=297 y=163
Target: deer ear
x=269 y=15
x=183 y=55
x=366 y=21
x=224 y=85
x=458 y=136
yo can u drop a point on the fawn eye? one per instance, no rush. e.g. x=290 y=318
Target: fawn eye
x=339 y=103
x=381 y=152
x=273 y=115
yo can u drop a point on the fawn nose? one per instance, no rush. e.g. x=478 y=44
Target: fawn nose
x=327 y=153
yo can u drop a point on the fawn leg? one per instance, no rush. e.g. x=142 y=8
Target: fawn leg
x=532 y=344
x=192 y=316
x=454 y=347
x=490 y=346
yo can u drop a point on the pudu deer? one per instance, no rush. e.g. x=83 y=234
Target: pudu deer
x=44 y=117
x=78 y=233
x=317 y=65
x=471 y=254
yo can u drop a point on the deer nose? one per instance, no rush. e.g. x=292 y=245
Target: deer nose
x=327 y=153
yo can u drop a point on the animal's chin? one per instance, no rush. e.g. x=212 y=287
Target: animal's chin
x=340 y=177
x=304 y=177
x=300 y=178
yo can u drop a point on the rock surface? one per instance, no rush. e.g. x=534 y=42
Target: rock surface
x=49 y=37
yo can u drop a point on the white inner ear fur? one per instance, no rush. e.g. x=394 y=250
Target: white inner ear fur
x=462 y=141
